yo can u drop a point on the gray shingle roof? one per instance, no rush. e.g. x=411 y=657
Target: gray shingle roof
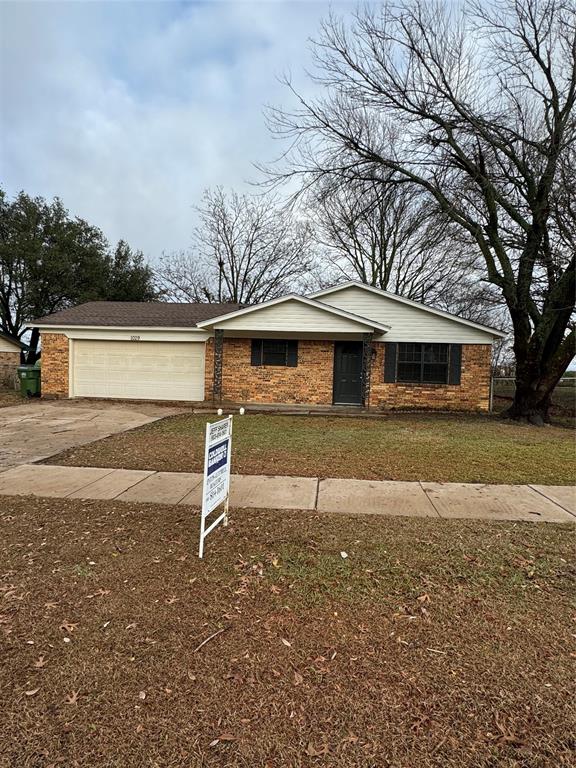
x=136 y=314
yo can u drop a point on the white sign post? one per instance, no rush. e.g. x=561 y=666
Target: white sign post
x=216 y=487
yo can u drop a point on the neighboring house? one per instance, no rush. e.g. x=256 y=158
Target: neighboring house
x=347 y=345
x=10 y=349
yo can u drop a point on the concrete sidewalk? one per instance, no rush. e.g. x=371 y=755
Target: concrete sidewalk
x=447 y=500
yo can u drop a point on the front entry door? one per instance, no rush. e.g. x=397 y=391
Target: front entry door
x=348 y=373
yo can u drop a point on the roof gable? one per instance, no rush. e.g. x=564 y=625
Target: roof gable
x=4 y=337
x=294 y=313
x=330 y=295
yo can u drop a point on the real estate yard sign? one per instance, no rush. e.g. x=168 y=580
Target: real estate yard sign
x=216 y=488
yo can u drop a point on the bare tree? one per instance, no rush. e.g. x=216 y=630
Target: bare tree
x=475 y=299
x=389 y=237
x=246 y=250
x=181 y=277
x=474 y=104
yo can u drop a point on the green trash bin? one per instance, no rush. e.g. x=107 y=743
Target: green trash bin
x=29 y=377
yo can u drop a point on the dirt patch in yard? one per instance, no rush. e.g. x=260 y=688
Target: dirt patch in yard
x=431 y=643
x=10 y=397
x=433 y=448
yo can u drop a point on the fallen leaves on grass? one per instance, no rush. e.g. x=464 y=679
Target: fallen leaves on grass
x=225 y=737
x=66 y=626
x=313 y=751
x=336 y=666
x=413 y=447
x=98 y=593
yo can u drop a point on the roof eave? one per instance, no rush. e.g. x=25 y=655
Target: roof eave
x=75 y=326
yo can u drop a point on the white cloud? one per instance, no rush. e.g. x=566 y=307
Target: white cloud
x=127 y=111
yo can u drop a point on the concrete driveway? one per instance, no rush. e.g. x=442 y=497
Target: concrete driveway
x=38 y=429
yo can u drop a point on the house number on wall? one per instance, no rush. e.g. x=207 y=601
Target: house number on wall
x=134 y=338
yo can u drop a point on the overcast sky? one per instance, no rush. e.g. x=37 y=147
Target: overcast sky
x=128 y=110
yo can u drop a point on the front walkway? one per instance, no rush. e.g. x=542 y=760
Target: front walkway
x=556 y=504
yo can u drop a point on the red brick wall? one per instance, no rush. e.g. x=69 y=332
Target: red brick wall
x=9 y=362
x=309 y=382
x=55 y=359
x=473 y=393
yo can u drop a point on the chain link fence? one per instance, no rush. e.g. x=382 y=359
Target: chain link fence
x=563 y=399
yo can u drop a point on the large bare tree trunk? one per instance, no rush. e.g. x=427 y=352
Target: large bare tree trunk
x=531 y=405
x=538 y=371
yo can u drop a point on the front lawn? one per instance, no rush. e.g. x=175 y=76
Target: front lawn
x=431 y=643
x=433 y=447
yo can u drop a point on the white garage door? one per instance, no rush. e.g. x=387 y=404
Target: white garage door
x=141 y=370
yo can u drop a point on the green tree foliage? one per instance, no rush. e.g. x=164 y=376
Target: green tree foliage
x=130 y=278
x=49 y=261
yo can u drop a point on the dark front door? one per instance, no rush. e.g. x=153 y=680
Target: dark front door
x=348 y=373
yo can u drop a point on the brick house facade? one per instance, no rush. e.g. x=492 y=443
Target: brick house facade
x=472 y=394
x=55 y=362
x=348 y=345
x=10 y=350
x=311 y=382
x=9 y=362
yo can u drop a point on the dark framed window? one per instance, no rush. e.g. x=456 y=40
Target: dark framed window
x=275 y=352
x=423 y=363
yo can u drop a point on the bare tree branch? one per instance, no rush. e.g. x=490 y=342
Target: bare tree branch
x=246 y=250
x=475 y=105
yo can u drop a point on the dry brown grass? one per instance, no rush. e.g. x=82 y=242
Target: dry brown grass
x=434 y=643
x=430 y=447
x=10 y=397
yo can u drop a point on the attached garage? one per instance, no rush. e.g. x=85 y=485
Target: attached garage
x=141 y=370
x=126 y=350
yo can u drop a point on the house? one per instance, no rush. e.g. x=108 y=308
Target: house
x=350 y=344
x=10 y=349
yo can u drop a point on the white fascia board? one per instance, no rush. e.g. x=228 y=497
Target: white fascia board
x=119 y=333
x=49 y=326
x=394 y=296
x=303 y=300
